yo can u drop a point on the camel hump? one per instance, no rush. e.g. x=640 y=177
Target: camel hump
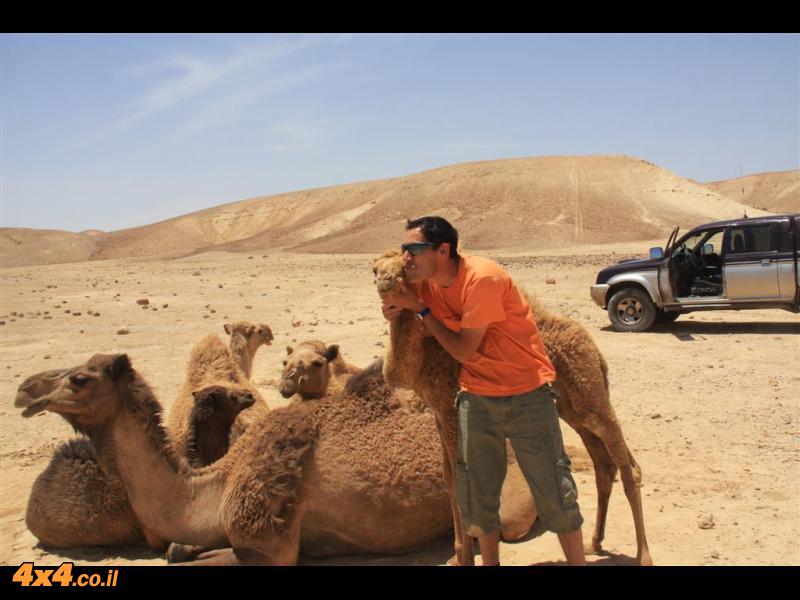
x=267 y=484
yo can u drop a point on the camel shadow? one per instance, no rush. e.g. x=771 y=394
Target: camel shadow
x=437 y=553
x=102 y=553
x=684 y=330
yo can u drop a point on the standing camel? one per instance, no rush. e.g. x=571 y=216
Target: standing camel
x=418 y=362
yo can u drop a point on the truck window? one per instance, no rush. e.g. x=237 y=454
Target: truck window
x=753 y=238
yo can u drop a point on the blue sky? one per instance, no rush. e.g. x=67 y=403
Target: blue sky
x=114 y=131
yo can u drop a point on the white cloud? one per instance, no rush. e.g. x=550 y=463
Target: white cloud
x=196 y=77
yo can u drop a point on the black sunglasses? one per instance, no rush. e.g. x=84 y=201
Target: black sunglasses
x=415 y=248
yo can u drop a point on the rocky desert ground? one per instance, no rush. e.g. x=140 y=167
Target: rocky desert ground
x=710 y=405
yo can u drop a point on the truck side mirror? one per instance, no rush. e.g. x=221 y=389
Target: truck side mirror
x=656 y=253
x=707 y=249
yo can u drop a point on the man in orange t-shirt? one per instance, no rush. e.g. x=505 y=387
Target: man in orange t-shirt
x=476 y=312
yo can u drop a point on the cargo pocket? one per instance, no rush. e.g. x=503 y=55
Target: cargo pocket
x=567 y=491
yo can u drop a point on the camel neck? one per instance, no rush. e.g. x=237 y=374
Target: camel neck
x=242 y=355
x=166 y=498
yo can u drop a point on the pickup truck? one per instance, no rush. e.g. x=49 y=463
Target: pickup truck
x=728 y=265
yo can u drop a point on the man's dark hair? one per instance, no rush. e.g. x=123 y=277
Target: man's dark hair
x=437 y=231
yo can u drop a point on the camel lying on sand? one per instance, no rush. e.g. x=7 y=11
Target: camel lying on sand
x=330 y=477
x=76 y=503
x=315 y=370
x=212 y=363
x=417 y=361
x=215 y=409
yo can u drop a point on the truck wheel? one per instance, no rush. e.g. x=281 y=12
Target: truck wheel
x=631 y=309
x=666 y=317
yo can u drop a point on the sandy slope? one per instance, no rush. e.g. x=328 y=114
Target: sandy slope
x=776 y=192
x=709 y=405
x=525 y=203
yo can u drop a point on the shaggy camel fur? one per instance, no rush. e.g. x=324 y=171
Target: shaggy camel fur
x=331 y=476
x=583 y=402
x=313 y=370
x=76 y=503
x=212 y=363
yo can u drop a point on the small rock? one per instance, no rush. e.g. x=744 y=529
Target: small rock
x=143 y=302
x=123 y=332
x=2 y=322
x=47 y=357
x=220 y=286
x=165 y=306
x=248 y=306
x=655 y=416
x=550 y=281
x=715 y=555
x=77 y=314
x=706 y=521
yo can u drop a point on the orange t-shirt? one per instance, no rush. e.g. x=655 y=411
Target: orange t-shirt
x=511 y=358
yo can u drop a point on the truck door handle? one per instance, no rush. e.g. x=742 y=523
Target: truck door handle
x=766 y=262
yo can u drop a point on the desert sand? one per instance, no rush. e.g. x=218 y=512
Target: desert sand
x=710 y=405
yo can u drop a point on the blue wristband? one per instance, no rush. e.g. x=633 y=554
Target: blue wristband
x=423 y=313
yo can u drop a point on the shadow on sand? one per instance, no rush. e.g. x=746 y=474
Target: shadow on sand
x=684 y=330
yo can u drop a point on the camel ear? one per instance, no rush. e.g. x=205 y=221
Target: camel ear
x=266 y=333
x=120 y=366
x=227 y=328
x=250 y=330
x=331 y=352
x=289 y=350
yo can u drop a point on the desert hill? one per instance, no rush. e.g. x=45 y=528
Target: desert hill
x=777 y=192
x=520 y=204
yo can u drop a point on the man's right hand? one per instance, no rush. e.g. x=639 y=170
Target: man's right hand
x=390 y=311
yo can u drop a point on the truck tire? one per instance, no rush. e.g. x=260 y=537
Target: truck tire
x=630 y=309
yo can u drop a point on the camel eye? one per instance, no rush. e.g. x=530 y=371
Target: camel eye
x=79 y=380
x=317 y=362
x=285 y=362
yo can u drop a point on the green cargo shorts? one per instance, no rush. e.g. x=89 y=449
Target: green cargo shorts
x=530 y=422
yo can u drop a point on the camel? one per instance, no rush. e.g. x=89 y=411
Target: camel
x=583 y=402
x=212 y=363
x=314 y=370
x=215 y=409
x=340 y=475
x=246 y=338
x=75 y=502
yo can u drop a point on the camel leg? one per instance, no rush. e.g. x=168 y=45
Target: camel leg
x=178 y=553
x=604 y=472
x=631 y=475
x=228 y=557
x=464 y=552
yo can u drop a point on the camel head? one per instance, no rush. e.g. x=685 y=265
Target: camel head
x=254 y=335
x=86 y=395
x=387 y=269
x=219 y=401
x=306 y=369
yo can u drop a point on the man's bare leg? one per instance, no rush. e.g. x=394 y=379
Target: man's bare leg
x=490 y=549
x=572 y=544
